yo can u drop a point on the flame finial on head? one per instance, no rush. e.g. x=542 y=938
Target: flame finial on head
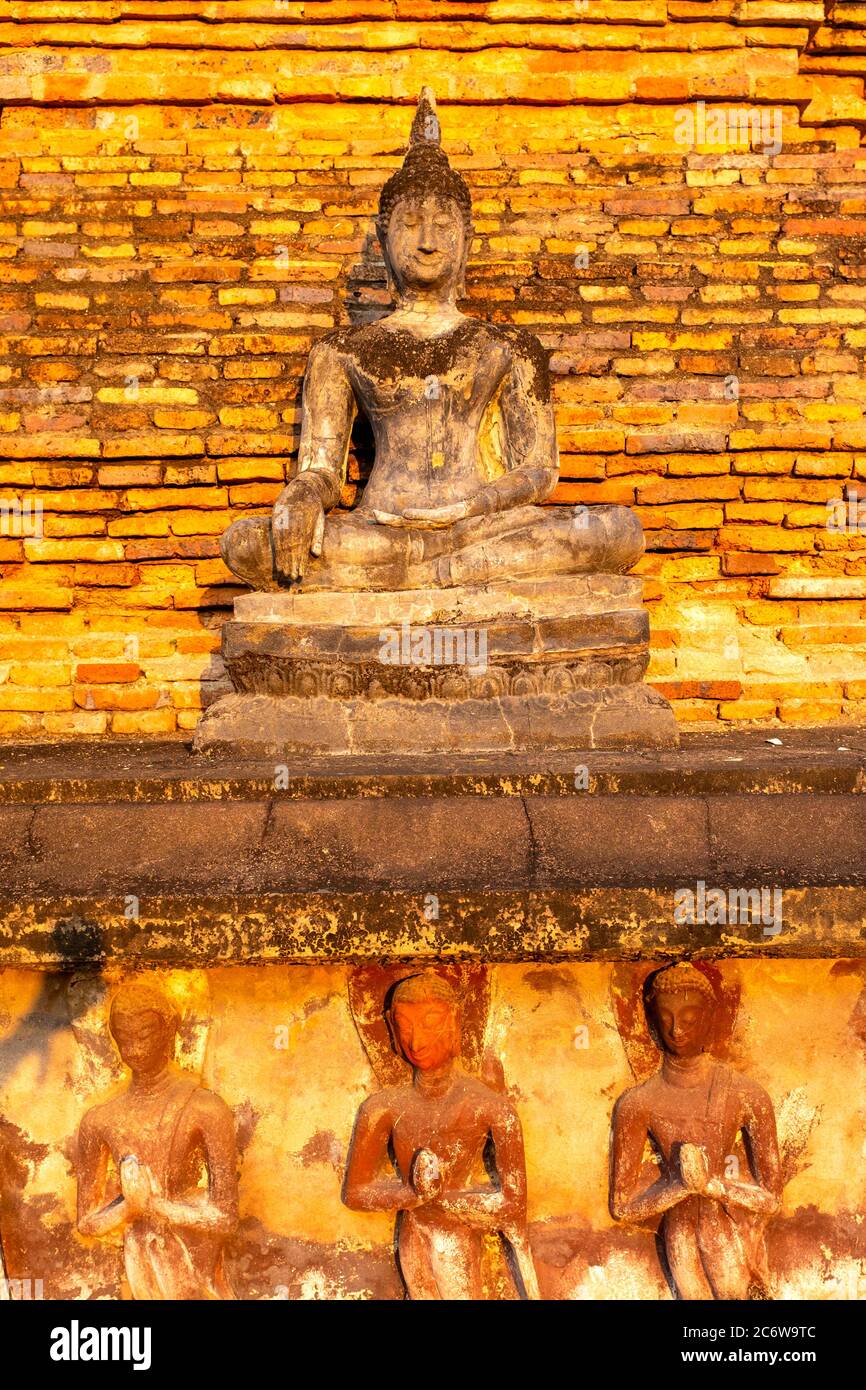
x=425 y=127
x=425 y=169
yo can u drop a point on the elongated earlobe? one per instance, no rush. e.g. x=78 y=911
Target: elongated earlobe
x=382 y=233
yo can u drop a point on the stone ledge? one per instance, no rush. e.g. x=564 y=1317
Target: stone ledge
x=613 y=924
x=342 y=862
x=831 y=760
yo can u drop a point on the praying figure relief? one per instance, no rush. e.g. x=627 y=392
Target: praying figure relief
x=158 y=1162
x=444 y=1151
x=712 y=1193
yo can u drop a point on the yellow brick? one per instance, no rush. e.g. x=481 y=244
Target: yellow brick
x=183 y=419
x=152 y=721
x=246 y=294
x=42 y=673
x=66 y=550
x=79 y=722
x=747 y=709
x=19 y=698
x=147 y=395
x=249 y=417
x=62 y=301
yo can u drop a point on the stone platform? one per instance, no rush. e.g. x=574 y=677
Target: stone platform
x=555 y=663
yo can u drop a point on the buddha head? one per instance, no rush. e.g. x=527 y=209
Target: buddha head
x=681 y=1007
x=144 y=1024
x=424 y=1020
x=425 y=215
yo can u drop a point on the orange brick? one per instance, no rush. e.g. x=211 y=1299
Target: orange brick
x=114 y=697
x=107 y=672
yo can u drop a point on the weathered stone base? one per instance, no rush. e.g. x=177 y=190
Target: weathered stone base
x=535 y=664
x=631 y=716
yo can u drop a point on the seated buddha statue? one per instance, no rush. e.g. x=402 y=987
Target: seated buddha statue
x=439 y=509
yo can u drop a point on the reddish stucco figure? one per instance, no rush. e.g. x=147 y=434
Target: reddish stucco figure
x=691 y=1113
x=158 y=1162
x=442 y=1127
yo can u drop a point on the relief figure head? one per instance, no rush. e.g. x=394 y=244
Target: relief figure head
x=681 y=1009
x=424 y=1020
x=425 y=215
x=144 y=1024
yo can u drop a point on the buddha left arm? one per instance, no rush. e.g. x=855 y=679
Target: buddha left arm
x=763 y=1195
x=529 y=435
x=215 y=1211
x=493 y=1208
x=502 y=1208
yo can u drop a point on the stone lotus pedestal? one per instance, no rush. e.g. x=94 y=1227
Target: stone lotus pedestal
x=532 y=664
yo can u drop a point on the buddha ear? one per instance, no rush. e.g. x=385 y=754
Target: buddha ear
x=382 y=234
x=468 y=234
x=392 y=1033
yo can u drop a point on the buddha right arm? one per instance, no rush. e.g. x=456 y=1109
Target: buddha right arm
x=627 y=1201
x=96 y=1217
x=328 y=412
x=364 y=1187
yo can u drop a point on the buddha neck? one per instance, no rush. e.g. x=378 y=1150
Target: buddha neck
x=147 y=1082
x=434 y=1082
x=686 y=1071
x=426 y=314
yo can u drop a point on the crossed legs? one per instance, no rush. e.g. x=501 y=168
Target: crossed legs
x=360 y=554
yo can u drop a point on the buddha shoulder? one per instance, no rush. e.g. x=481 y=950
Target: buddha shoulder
x=639 y=1101
x=481 y=1097
x=528 y=356
x=102 y=1116
x=391 y=353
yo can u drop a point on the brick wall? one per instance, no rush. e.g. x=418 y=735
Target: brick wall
x=187 y=197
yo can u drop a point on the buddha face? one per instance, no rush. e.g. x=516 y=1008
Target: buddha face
x=426 y=1032
x=684 y=1020
x=144 y=1039
x=426 y=243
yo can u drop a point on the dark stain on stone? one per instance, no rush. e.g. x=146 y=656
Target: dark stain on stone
x=395 y=354
x=315 y=1005
x=246 y=1120
x=549 y=980
x=810 y=1236
x=323 y=1147
x=392 y=355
